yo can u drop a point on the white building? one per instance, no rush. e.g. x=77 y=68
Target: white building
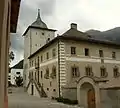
x=35 y=36
x=73 y=65
x=16 y=70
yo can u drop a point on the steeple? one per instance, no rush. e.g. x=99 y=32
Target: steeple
x=39 y=22
x=38 y=17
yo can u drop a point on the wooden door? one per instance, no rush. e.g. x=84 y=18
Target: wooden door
x=91 y=99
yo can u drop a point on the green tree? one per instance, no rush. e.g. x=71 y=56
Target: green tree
x=11 y=56
x=19 y=81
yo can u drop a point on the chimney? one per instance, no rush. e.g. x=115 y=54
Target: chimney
x=73 y=26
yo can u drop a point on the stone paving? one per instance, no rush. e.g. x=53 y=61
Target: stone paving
x=20 y=99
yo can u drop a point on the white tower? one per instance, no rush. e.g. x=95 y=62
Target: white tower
x=35 y=36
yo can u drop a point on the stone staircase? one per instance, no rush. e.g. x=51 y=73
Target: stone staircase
x=38 y=87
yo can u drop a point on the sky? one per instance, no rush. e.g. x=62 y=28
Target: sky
x=58 y=14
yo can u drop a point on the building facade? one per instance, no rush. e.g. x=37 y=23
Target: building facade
x=15 y=71
x=35 y=36
x=74 y=66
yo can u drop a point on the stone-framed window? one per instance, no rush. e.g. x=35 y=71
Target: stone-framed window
x=46 y=76
x=88 y=70
x=50 y=83
x=41 y=74
x=101 y=53
x=54 y=52
x=87 y=52
x=53 y=74
x=114 y=55
x=116 y=72
x=75 y=71
x=32 y=62
x=73 y=50
x=103 y=71
x=29 y=63
x=47 y=55
x=41 y=58
x=38 y=60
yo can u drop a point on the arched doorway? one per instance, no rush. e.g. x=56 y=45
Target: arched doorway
x=87 y=95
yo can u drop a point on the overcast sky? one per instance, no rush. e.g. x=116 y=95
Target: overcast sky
x=58 y=14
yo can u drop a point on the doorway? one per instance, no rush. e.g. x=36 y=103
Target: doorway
x=87 y=96
x=91 y=98
x=32 y=89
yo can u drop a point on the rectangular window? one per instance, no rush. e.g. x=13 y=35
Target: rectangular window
x=38 y=60
x=17 y=72
x=116 y=72
x=47 y=55
x=101 y=53
x=86 y=52
x=32 y=62
x=73 y=50
x=41 y=74
x=54 y=52
x=35 y=62
x=113 y=55
x=50 y=83
x=88 y=71
x=41 y=58
x=75 y=72
x=103 y=72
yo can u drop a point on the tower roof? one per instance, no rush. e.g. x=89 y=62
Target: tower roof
x=39 y=22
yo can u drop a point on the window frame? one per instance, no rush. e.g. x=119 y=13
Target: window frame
x=53 y=52
x=88 y=71
x=101 y=54
x=103 y=72
x=87 y=53
x=73 y=50
x=47 y=55
x=113 y=54
x=75 y=71
x=116 y=73
x=41 y=58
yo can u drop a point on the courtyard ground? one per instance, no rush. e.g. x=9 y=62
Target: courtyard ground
x=20 y=99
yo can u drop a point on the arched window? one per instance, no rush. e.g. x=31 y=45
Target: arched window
x=116 y=72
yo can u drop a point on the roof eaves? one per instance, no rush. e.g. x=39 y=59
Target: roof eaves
x=37 y=28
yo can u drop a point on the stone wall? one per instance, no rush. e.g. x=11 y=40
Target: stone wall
x=110 y=98
x=69 y=93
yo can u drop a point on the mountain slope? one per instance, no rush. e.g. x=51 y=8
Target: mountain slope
x=112 y=34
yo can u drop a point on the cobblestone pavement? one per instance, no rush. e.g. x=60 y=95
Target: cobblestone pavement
x=20 y=99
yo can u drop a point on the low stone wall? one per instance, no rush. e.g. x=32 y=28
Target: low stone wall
x=70 y=93
x=110 y=98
